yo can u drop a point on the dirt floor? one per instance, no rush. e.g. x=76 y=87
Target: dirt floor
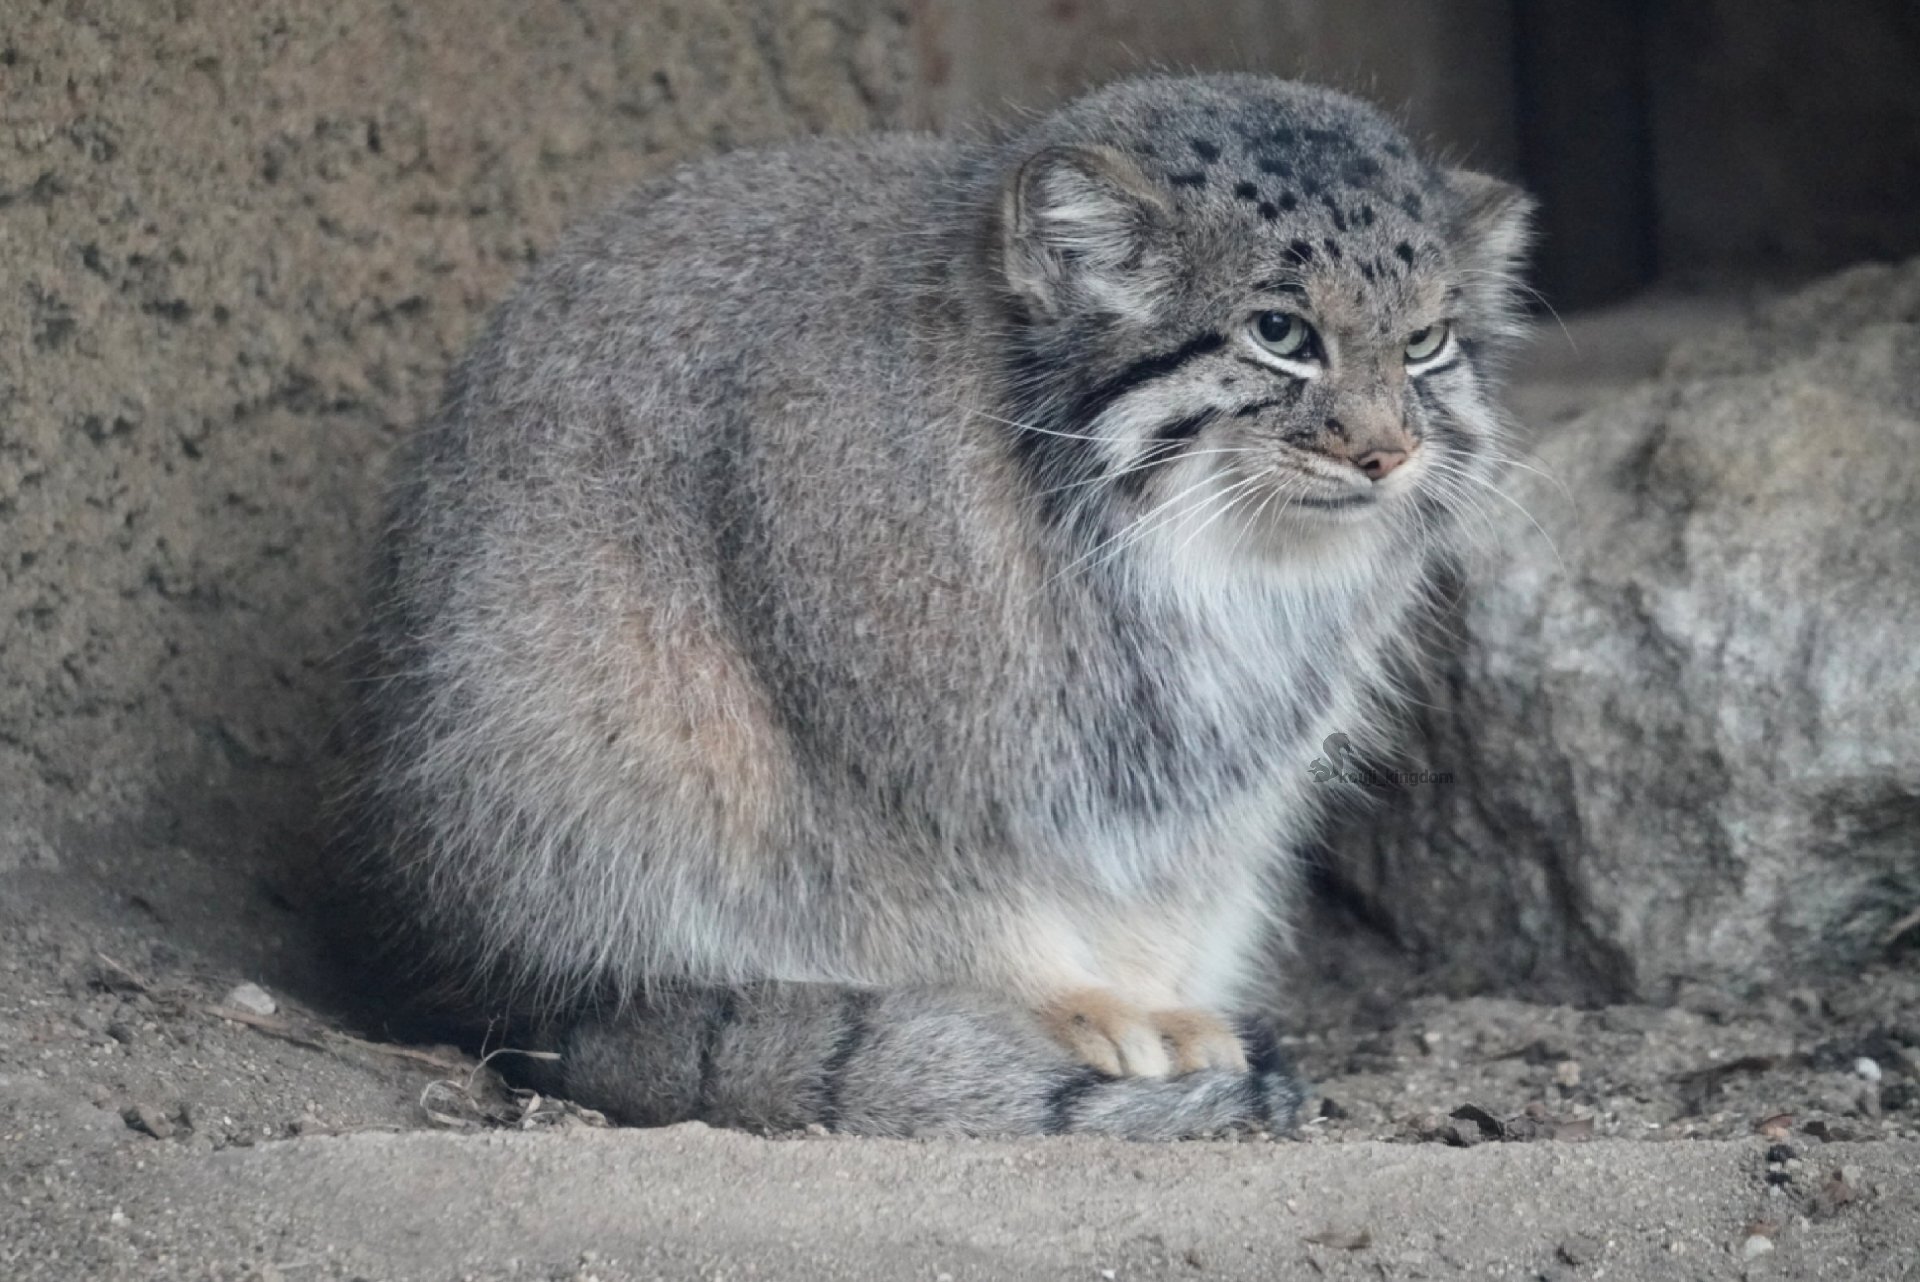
x=156 y=1123
x=160 y=1120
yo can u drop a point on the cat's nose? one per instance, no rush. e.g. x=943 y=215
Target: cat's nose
x=1378 y=463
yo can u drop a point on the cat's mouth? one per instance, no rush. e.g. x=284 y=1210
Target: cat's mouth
x=1337 y=503
x=1319 y=486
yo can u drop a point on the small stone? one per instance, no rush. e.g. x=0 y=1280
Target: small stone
x=1566 y=1074
x=1581 y=1249
x=145 y=1117
x=121 y=1031
x=1755 y=1247
x=252 y=999
x=1866 y=1070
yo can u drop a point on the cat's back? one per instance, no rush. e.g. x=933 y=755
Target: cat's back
x=724 y=315
x=742 y=261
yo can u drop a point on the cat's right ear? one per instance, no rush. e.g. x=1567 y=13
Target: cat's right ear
x=1077 y=220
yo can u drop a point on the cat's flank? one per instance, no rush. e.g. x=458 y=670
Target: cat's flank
x=849 y=648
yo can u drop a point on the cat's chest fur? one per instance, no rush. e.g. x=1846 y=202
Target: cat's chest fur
x=1218 y=689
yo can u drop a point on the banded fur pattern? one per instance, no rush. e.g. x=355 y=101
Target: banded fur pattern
x=905 y=1063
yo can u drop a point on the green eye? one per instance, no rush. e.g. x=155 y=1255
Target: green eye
x=1423 y=345
x=1284 y=334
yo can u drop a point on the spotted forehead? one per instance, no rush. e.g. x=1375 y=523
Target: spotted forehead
x=1341 y=213
x=1339 y=194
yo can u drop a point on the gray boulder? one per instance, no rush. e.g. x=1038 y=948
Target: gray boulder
x=1682 y=711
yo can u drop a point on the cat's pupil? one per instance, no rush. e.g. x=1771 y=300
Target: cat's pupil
x=1276 y=327
x=1420 y=337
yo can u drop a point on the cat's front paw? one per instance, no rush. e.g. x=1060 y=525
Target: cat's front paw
x=1197 y=1039
x=1119 y=1038
x=1108 y=1033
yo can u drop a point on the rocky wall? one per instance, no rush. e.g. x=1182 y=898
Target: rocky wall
x=240 y=243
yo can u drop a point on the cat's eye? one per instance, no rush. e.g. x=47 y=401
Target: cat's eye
x=1284 y=334
x=1425 y=345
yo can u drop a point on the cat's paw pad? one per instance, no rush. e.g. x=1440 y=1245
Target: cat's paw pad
x=1108 y=1033
x=1196 y=1039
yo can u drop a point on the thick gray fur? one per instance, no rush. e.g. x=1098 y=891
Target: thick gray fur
x=888 y=567
x=904 y=1062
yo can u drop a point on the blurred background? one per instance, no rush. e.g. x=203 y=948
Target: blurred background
x=1701 y=141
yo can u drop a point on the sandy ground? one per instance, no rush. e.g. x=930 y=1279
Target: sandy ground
x=151 y=1127
x=148 y=1129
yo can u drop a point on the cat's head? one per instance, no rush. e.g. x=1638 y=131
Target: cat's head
x=1244 y=314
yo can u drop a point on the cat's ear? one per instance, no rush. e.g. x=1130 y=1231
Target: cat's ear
x=1076 y=219
x=1492 y=229
x=1492 y=221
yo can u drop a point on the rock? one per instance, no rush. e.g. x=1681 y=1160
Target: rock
x=148 y=1119
x=1756 y=1246
x=1679 y=719
x=251 y=998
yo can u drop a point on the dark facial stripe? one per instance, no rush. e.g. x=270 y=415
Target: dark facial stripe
x=1141 y=372
x=1438 y=421
x=1445 y=432
x=1163 y=448
x=1184 y=429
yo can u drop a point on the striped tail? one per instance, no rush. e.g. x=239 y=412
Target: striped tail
x=901 y=1062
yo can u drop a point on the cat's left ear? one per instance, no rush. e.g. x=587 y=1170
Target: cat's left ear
x=1077 y=220
x=1492 y=229
x=1492 y=220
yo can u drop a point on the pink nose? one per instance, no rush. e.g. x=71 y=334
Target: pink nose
x=1378 y=463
